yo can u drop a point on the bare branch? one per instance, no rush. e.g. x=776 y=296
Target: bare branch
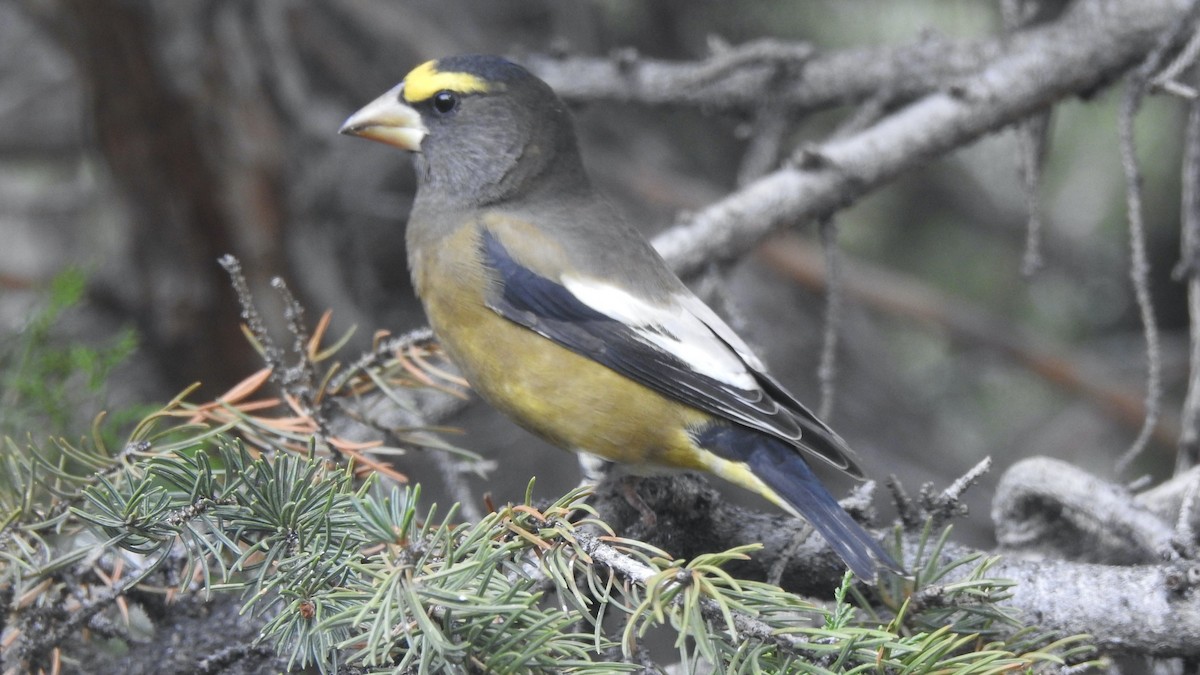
x=1185 y=533
x=767 y=134
x=1139 y=263
x=1046 y=504
x=1168 y=78
x=1163 y=619
x=250 y=315
x=1091 y=44
x=944 y=506
x=1189 y=439
x=826 y=80
x=910 y=515
x=1169 y=500
x=1032 y=140
x=1031 y=143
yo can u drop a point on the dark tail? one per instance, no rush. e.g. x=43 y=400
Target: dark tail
x=782 y=469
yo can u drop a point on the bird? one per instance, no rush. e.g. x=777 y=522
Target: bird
x=562 y=315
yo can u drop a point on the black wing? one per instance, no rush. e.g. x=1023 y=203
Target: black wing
x=550 y=309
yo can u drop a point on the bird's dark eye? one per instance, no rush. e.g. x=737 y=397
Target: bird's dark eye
x=445 y=101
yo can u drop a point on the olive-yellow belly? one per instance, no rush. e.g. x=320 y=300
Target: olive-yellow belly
x=570 y=400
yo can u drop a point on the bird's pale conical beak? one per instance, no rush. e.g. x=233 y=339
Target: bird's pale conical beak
x=389 y=120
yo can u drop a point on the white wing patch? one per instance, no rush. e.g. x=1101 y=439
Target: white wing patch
x=687 y=329
x=711 y=319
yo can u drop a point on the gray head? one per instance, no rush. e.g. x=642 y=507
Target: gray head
x=483 y=129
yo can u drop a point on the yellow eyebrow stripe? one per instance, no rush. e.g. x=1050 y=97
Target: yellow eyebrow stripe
x=426 y=80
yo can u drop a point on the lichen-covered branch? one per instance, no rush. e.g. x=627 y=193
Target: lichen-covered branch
x=1090 y=46
x=1048 y=505
x=1141 y=609
x=821 y=81
x=1159 y=611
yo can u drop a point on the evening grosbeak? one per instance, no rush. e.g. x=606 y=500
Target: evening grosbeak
x=565 y=318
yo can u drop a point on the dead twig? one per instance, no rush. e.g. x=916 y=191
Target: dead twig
x=902 y=296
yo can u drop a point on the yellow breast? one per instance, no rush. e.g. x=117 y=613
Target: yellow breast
x=570 y=400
